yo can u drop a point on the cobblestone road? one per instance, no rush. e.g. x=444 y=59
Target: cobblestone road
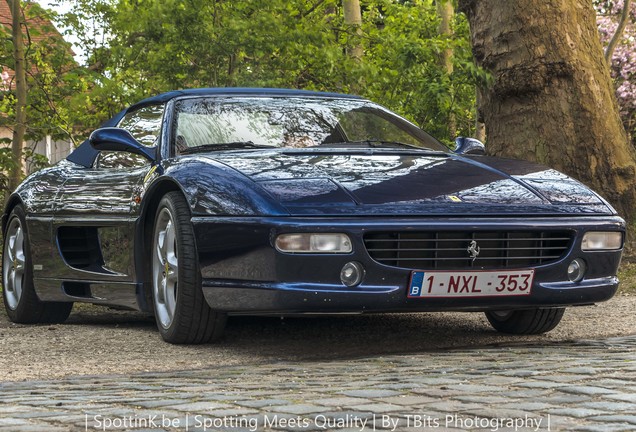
x=583 y=386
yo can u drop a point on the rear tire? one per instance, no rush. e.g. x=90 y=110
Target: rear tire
x=18 y=293
x=182 y=314
x=525 y=322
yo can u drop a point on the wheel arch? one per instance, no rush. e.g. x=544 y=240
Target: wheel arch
x=13 y=201
x=149 y=206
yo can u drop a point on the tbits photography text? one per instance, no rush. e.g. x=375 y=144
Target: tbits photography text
x=327 y=422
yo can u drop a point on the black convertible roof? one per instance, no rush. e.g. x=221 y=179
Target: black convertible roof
x=85 y=154
x=237 y=91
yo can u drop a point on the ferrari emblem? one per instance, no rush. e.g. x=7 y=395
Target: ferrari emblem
x=473 y=250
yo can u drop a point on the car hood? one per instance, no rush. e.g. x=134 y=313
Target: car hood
x=386 y=182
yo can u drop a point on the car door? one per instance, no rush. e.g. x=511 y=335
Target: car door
x=95 y=215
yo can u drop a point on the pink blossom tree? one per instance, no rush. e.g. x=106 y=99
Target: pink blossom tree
x=610 y=13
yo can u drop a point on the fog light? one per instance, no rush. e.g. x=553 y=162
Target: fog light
x=352 y=273
x=576 y=270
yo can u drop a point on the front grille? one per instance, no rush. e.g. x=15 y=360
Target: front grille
x=449 y=250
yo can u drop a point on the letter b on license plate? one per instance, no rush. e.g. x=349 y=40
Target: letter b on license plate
x=470 y=283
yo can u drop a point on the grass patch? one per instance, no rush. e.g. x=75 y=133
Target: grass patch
x=627 y=276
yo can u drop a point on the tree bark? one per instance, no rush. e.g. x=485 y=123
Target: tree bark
x=480 y=127
x=17 y=170
x=552 y=98
x=353 y=18
x=445 y=11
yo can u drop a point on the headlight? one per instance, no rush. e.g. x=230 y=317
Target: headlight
x=313 y=243
x=599 y=240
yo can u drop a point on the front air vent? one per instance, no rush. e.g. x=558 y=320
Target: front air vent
x=77 y=289
x=79 y=247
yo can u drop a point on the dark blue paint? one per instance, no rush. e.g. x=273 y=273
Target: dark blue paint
x=241 y=200
x=272 y=282
x=116 y=139
x=236 y=91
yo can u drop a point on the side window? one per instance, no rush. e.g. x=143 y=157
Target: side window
x=368 y=125
x=145 y=126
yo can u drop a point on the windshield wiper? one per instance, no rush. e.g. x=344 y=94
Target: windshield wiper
x=238 y=145
x=379 y=144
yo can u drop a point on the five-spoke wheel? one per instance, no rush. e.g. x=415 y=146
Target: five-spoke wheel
x=165 y=268
x=181 y=311
x=13 y=263
x=21 y=301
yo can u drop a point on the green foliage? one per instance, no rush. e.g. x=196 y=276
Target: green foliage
x=59 y=90
x=34 y=160
x=627 y=276
x=150 y=46
x=405 y=50
x=6 y=163
x=138 y=48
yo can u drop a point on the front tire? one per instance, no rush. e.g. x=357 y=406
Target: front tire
x=20 y=300
x=181 y=312
x=525 y=322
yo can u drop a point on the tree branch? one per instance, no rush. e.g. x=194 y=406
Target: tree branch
x=311 y=10
x=609 y=51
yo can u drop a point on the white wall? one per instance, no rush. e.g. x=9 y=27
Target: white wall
x=53 y=150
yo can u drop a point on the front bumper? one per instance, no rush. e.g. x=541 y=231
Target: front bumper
x=242 y=273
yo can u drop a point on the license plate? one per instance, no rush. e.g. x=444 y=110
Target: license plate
x=470 y=283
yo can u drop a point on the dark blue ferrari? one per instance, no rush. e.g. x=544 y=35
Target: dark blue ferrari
x=199 y=204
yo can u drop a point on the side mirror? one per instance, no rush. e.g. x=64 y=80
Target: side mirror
x=469 y=146
x=117 y=139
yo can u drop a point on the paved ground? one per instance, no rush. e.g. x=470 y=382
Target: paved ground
x=100 y=341
x=576 y=386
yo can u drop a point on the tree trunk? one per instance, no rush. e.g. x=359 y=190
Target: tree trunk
x=552 y=98
x=445 y=11
x=17 y=145
x=480 y=127
x=353 y=18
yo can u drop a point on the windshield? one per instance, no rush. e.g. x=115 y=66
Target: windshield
x=208 y=124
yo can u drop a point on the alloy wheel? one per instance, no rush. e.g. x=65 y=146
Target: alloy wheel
x=165 y=268
x=14 y=262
